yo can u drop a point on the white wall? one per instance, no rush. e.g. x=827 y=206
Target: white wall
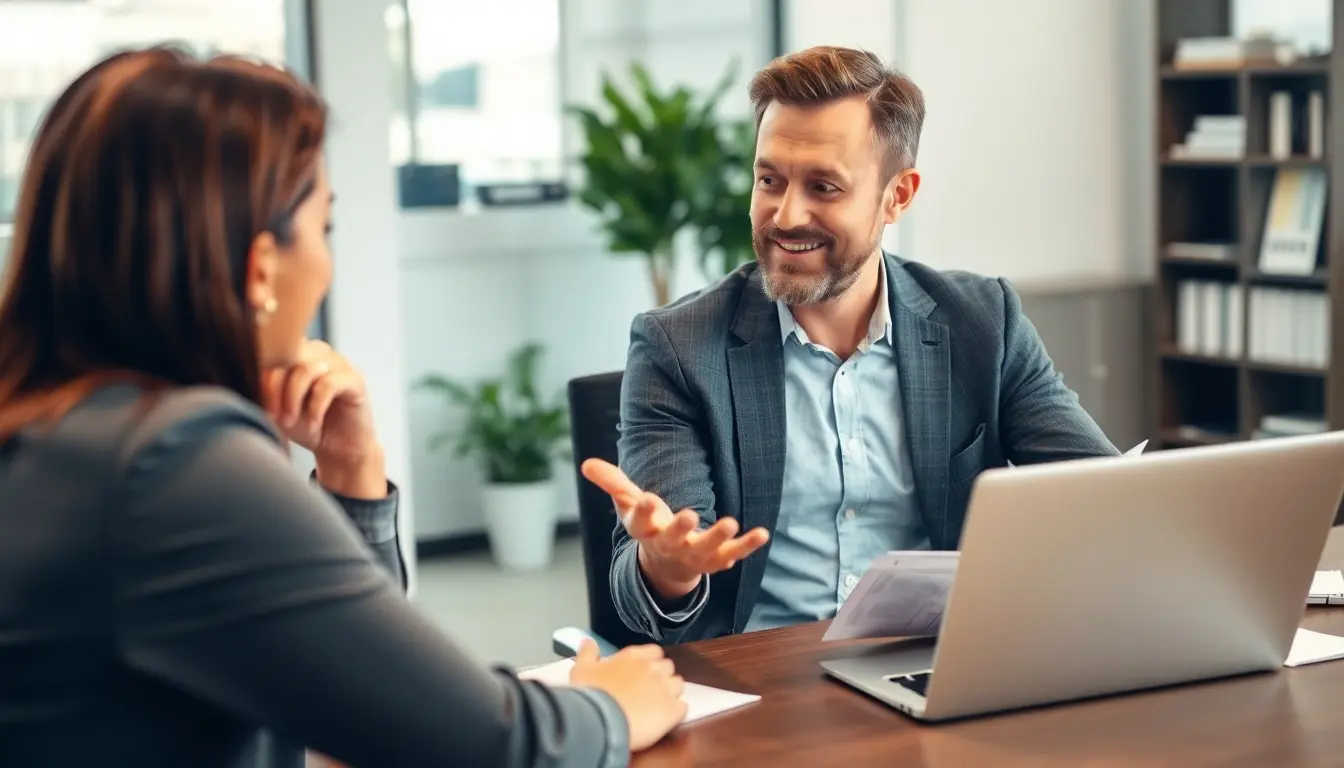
x=872 y=25
x=365 y=304
x=1025 y=139
x=478 y=284
x=1034 y=156
x=1135 y=77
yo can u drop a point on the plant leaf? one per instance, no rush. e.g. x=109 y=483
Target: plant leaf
x=512 y=434
x=454 y=391
x=663 y=161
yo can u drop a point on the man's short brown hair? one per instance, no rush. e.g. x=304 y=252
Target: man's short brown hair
x=825 y=74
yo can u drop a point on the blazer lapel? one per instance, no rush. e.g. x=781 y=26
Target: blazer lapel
x=756 y=378
x=924 y=368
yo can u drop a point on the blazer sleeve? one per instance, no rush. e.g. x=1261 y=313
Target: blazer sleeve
x=1040 y=417
x=376 y=521
x=237 y=583
x=662 y=450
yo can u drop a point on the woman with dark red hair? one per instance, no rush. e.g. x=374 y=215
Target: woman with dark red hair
x=168 y=586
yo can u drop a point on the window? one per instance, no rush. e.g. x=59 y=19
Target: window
x=1304 y=23
x=477 y=88
x=44 y=45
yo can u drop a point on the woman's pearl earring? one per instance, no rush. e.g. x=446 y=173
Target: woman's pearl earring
x=268 y=308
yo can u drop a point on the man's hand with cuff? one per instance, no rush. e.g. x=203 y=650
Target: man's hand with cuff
x=673 y=555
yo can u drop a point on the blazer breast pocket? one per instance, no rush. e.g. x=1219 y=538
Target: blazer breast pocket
x=968 y=462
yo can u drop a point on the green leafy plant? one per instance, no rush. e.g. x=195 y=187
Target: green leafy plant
x=660 y=163
x=724 y=220
x=509 y=428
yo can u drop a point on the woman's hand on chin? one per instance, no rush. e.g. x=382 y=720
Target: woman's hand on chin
x=320 y=403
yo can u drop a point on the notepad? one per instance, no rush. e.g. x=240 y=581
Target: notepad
x=1327 y=588
x=1310 y=647
x=701 y=700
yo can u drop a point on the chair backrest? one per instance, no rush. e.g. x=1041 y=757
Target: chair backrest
x=595 y=413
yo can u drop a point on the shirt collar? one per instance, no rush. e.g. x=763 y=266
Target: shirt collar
x=879 y=325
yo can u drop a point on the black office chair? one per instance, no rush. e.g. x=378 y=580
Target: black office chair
x=594 y=409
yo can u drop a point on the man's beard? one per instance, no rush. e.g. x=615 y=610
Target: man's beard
x=785 y=282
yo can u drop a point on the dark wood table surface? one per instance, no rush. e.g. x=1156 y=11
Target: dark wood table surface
x=1292 y=717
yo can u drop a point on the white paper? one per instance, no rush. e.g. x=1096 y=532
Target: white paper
x=701 y=700
x=1135 y=451
x=1327 y=583
x=1310 y=647
x=553 y=674
x=902 y=594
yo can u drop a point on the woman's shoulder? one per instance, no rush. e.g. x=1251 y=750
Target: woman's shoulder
x=121 y=431
x=130 y=419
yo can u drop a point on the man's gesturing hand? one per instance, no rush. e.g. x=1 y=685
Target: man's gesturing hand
x=673 y=555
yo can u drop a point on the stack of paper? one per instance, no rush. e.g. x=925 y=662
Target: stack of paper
x=701 y=700
x=1327 y=588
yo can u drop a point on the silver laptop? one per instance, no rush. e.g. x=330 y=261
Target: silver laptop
x=1098 y=576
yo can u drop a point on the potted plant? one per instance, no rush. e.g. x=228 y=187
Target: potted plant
x=515 y=436
x=660 y=163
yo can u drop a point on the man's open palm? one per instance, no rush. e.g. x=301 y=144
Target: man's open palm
x=672 y=553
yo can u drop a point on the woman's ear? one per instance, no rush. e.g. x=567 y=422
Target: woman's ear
x=263 y=261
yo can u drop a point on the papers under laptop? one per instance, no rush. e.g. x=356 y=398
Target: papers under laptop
x=903 y=594
x=1310 y=647
x=701 y=700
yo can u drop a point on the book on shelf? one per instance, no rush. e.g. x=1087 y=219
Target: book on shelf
x=1209 y=318
x=1289 y=424
x=1316 y=124
x=1296 y=125
x=1293 y=221
x=1289 y=326
x=1213 y=137
x=1202 y=53
x=1214 y=251
x=1281 y=125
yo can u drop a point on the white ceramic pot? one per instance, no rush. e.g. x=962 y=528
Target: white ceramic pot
x=520 y=519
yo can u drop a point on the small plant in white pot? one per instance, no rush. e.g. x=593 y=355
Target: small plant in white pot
x=516 y=436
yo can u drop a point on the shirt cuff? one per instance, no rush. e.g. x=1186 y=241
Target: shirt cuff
x=693 y=602
x=376 y=519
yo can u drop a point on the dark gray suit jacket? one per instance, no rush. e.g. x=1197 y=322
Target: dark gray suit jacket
x=702 y=415
x=168 y=585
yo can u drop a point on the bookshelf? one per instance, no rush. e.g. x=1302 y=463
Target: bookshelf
x=1246 y=346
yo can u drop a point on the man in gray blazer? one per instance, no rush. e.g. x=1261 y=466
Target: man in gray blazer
x=832 y=400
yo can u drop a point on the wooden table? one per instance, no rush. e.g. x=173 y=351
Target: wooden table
x=1293 y=717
